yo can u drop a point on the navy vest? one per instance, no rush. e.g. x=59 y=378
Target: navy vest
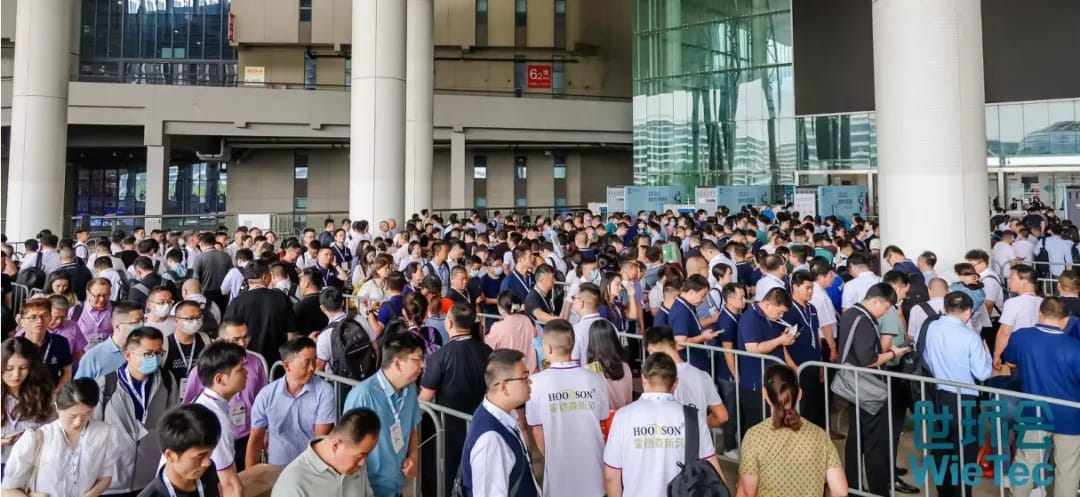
x=483 y=422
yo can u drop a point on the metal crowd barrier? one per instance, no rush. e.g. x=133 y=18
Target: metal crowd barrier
x=998 y=408
x=19 y=294
x=438 y=414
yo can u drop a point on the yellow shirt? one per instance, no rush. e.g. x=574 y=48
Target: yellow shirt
x=788 y=463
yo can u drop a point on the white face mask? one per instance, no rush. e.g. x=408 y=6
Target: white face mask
x=161 y=310
x=192 y=326
x=283 y=285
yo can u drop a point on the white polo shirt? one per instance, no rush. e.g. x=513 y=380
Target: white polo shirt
x=855 y=290
x=766 y=283
x=980 y=318
x=581 y=337
x=1021 y=311
x=570 y=402
x=224 y=454
x=647 y=443
x=918 y=316
x=826 y=313
x=696 y=388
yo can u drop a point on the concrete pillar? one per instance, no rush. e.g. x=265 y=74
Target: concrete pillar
x=377 y=125
x=419 y=87
x=157 y=183
x=38 y=150
x=457 y=169
x=931 y=128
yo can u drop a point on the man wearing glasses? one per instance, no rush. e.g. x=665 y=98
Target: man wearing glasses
x=134 y=399
x=55 y=350
x=95 y=321
x=184 y=346
x=495 y=460
x=392 y=394
x=107 y=356
x=236 y=332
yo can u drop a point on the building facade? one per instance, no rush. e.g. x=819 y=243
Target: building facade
x=202 y=108
x=715 y=100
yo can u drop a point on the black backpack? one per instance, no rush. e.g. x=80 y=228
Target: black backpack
x=210 y=323
x=354 y=356
x=33 y=277
x=696 y=478
x=914 y=363
x=1042 y=260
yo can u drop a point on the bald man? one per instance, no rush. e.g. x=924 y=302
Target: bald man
x=192 y=291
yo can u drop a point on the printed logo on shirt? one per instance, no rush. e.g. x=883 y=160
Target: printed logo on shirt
x=659 y=436
x=572 y=400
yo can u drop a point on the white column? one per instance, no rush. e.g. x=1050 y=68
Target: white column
x=157 y=179
x=377 y=125
x=38 y=153
x=419 y=86
x=931 y=129
x=457 y=169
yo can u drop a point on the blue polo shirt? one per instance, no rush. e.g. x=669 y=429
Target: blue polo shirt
x=807 y=346
x=727 y=329
x=100 y=360
x=384 y=463
x=754 y=327
x=661 y=317
x=391 y=309
x=290 y=421
x=518 y=283
x=684 y=322
x=1049 y=362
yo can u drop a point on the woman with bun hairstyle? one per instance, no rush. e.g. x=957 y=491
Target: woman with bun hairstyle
x=783 y=456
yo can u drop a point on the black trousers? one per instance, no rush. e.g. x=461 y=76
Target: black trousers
x=873 y=431
x=902 y=400
x=751 y=409
x=454 y=431
x=954 y=437
x=241 y=453
x=812 y=406
x=731 y=427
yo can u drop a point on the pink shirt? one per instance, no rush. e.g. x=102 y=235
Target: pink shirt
x=67 y=330
x=256 y=380
x=515 y=332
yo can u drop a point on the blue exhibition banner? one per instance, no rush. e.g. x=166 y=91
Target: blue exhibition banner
x=737 y=196
x=841 y=201
x=651 y=198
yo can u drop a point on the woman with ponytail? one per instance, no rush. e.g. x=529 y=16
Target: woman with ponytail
x=783 y=456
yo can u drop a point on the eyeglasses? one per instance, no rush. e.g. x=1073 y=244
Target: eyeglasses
x=38 y=317
x=509 y=380
x=153 y=353
x=237 y=340
x=411 y=358
x=97 y=296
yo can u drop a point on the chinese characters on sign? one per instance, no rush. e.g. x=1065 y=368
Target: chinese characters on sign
x=932 y=426
x=538 y=76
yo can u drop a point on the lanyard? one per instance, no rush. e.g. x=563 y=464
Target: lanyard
x=172 y=491
x=188 y=361
x=338 y=252
x=809 y=325
x=516 y=275
x=691 y=310
x=549 y=306
x=395 y=409
x=464 y=294
x=137 y=394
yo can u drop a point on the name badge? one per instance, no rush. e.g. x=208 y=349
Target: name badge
x=94 y=339
x=183 y=386
x=396 y=436
x=238 y=414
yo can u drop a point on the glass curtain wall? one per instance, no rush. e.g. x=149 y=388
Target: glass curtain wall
x=713 y=93
x=176 y=42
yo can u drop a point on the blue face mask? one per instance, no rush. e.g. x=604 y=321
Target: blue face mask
x=474 y=274
x=594 y=276
x=498 y=271
x=150 y=365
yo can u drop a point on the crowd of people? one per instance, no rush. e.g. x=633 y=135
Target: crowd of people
x=141 y=364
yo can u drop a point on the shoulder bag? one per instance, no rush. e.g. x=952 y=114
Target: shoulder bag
x=867 y=390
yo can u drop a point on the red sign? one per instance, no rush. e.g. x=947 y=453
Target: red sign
x=539 y=76
x=232 y=27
